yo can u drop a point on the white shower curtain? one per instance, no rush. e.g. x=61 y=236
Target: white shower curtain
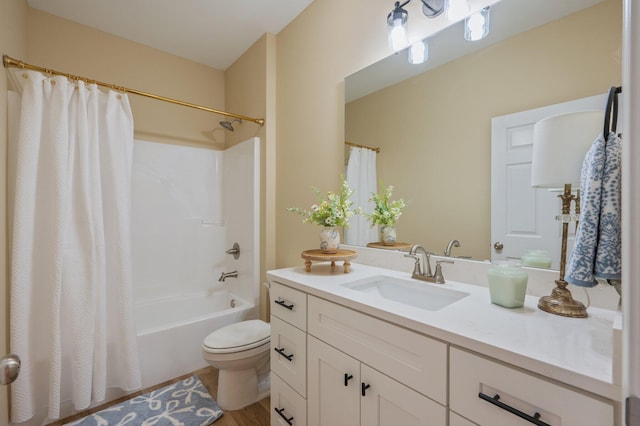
x=362 y=178
x=71 y=321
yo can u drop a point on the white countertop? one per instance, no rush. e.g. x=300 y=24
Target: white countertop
x=577 y=352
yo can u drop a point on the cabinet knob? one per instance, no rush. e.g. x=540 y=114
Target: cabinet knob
x=364 y=388
x=498 y=246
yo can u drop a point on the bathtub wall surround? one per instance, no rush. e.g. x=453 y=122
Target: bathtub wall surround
x=540 y=281
x=189 y=206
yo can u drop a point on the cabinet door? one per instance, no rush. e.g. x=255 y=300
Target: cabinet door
x=388 y=403
x=456 y=420
x=333 y=394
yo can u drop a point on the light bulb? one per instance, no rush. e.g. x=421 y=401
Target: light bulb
x=457 y=10
x=398 y=35
x=476 y=26
x=418 y=52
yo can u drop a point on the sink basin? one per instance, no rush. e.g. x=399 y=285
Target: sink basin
x=413 y=293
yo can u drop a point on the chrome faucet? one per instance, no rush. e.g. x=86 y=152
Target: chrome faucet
x=225 y=275
x=452 y=243
x=419 y=271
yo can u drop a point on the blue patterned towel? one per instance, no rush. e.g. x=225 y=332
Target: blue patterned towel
x=597 y=250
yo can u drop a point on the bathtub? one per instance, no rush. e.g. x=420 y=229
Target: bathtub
x=171 y=330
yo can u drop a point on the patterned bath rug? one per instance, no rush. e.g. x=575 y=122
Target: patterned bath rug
x=186 y=402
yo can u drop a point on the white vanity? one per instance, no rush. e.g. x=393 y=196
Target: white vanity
x=345 y=352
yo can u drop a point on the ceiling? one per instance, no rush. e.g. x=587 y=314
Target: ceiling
x=210 y=32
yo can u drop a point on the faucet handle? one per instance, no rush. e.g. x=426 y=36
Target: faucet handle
x=439 y=278
x=417 y=269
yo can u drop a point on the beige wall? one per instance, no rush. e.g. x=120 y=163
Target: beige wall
x=13 y=42
x=65 y=46
x=328 y=41
x=435 y=129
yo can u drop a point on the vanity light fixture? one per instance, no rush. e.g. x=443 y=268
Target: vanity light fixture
x=476 y=26
x=397 y=20
x=559 y=146
x=419 y=52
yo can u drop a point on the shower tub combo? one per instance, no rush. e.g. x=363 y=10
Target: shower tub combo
x=190 y=205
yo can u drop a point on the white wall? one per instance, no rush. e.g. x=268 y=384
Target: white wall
x=189 y=206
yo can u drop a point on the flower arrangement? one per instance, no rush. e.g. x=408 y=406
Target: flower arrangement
x=335 y=210
x=386 y=212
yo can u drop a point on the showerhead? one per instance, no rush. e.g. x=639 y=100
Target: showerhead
x=229 y=124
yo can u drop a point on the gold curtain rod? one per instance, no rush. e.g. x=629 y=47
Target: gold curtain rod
x=377 y=150
x=10 y=62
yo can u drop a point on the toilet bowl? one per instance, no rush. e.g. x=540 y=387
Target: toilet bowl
x=240 y=352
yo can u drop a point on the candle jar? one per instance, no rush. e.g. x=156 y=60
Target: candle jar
x=507 y=284
x=536 y=259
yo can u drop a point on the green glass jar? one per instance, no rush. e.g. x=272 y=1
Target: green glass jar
x=507 y=284
x=536 y=259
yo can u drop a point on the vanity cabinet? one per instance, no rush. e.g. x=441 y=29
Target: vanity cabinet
x=338 y=365
x=522 y=399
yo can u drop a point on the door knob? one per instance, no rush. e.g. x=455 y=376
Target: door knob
x=498 y=246
x=9 y=368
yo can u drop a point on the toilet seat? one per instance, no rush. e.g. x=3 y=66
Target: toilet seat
x=238 y=337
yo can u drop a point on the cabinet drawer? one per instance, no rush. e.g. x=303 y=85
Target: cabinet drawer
x=287 y=407
x=289 y=304
x=289 y=354
x=456 y=420
x=410 y=358
x=556 y=405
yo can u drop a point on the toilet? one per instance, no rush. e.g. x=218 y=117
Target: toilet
x=240 y=352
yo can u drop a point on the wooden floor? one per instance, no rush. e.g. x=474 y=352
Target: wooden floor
x=253 y=415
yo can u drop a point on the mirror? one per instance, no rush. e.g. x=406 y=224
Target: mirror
x=432 y=123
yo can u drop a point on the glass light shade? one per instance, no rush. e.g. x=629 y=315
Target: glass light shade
x=398 y=35
x=476 y=26
x=457 y=10
x=418 y=52
x=559 y=145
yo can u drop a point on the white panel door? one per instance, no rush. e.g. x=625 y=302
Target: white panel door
x=523 y=217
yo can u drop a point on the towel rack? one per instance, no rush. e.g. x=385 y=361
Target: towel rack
x=611 y=113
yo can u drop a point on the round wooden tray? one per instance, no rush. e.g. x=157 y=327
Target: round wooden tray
x=318 y=256
x=394 y=246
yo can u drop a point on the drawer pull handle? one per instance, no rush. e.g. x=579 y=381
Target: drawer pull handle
x=283 y=303
x=347 y=377
x=495 y=400
x=364 y=388
x=281 y=412
x=281 y=352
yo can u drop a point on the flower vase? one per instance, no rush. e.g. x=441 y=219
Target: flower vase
x=329 y=240
x=388 y=235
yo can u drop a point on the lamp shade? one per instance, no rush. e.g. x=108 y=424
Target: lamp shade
x=559 y=145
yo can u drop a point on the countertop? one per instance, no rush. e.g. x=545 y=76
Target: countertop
x=576 y=352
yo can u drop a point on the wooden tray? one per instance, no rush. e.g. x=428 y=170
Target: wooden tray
x=394 y=246
x=318 y=256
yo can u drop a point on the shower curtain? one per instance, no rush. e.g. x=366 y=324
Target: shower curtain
x=71 y=322
x=361 y=177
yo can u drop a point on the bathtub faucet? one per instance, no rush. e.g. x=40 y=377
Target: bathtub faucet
x=225 y=275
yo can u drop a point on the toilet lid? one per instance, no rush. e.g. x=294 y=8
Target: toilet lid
x=238 y=337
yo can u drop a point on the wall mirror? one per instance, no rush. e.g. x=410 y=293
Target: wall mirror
x=432 y=122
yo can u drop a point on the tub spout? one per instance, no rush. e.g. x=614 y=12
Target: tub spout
x=225 y=275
